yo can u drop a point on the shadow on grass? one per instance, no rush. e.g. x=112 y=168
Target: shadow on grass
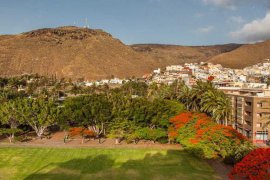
x=173 y=165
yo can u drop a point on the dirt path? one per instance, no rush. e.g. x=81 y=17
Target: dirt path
x=57 y=140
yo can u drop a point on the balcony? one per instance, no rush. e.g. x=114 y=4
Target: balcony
x=264 y=117
x=248 y=108
x=248 y=118
x=247 y=127
x=239 y=121
x=261 y=110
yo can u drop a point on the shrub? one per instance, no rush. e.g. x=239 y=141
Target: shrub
x=81 y=131
x=256 y=165
x=151 y=134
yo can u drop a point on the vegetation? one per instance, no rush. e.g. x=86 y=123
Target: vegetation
x=255 y=165
x=197 y=133
x=192 y=116
x=134 y=111
x=56 y=163
x=204 y=97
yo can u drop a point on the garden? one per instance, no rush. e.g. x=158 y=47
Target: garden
x=196 y=119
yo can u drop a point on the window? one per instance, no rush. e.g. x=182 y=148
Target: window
x=262 y=136
x=259 y=105
x=248 y=134
x=259 y=125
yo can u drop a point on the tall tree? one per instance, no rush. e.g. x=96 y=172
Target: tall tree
x=9 y=118
x=39 y=114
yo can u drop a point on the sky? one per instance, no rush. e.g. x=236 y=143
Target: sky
x=183 y=22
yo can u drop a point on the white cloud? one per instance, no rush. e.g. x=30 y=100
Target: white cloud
x=234 y=4
x=205 y=30
x=257 y=30
x=237 y=19
x=230 y=4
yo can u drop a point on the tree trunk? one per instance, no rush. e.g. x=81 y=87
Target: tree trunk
x=117 y=141
x=40 y=131
x=82 y=142
x=10 y=138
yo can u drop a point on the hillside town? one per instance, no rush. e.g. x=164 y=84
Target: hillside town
x=255 y=76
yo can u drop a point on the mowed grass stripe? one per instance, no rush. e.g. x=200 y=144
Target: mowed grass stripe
x=83 y=163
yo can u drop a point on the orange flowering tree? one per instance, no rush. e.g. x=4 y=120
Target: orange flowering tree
x=83 y=132
x=256 y=165
x=198 y=133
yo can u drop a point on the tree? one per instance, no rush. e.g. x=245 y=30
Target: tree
x=216 y=104
x=122 y=128
x=207 y=139
x=39 y=114
x=9 y=117
x=92 y=111
x=185 y=96
x=9 y=132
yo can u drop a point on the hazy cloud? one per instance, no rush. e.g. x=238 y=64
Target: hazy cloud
x=233 y=4
x=237 y=19
x=205 y=30
x=230 y=4
x=199 y=15
x=254 y=31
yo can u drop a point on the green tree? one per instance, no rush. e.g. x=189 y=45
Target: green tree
x=216 y=104
x=92 y=111
x=39 y=114
x=9 y=118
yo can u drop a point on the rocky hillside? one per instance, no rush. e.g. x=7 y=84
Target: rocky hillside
x=245 y=55
x=174 y=54
x=71 y=52
x=74 y=52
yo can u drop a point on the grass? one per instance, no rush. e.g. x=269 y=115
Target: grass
x=82 y=163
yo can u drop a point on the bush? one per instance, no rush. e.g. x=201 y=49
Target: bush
x=256 y=165
x=81 y=131
x=239 y=153
x=151 y=134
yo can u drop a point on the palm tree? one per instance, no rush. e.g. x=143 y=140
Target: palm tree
x=216 y=104
x=185 y=96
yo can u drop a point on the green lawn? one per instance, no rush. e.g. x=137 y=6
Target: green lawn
x=55 y=163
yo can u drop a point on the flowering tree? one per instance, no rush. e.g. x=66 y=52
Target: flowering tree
x=197 y=132
x=256 y=165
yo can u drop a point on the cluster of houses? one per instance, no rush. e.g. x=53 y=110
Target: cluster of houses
x=255 y=76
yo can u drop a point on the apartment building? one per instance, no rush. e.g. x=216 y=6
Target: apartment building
x=250 y=112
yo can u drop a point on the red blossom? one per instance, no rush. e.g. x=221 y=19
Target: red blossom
x=256 y=165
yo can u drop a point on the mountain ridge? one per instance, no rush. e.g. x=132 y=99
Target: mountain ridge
x=93 y=54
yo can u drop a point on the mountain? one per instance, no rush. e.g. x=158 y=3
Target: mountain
x=244 y=56
x=92 y=54
x=175 y=54
x=71 y=52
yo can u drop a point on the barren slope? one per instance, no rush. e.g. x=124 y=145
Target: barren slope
x=244 y=56
x=175 y=54
x=70 y=52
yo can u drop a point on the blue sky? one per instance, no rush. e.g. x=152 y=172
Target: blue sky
x=185 y=22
